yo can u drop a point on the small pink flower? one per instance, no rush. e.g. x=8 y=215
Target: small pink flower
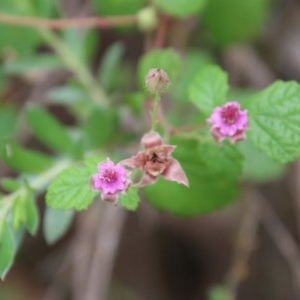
x=229 y=121
x=110 y=180
x=156 y=160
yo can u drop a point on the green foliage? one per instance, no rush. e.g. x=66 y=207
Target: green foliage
x=23 y=160
x=274 y=117
x=220 y=293
x=31 y=63
x=117 y=7
x=9 y=185
x=71 y=190
x=233 y=21
x=110 y=66
x=56 y=224
x=213 y=173
x=8 y=120
x=258 y=166
x=100 y=127
x=166 y=59
x=47 y=129
x=193 y=62
x=181 y=8
x=209 y=89
x=7 y=248
x=131 y=199
x=25 y=212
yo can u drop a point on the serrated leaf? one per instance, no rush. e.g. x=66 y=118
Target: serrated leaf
x=181 y=8
x=23 y=160
x=49 y=130
x=71 y=190
x=213 y=173
x=7 y=248
x=209 y=89
x=92 y=162
x=274 y=117
x=131 y=199
x=56 y=224
x=166 y=59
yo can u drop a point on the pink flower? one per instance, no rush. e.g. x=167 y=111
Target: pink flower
x=110 y=180
x=156 y=160
x=229 y=121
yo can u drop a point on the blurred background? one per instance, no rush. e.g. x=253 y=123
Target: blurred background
x=248 y=250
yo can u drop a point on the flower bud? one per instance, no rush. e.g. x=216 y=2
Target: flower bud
x=147 y=19
x=157 y=81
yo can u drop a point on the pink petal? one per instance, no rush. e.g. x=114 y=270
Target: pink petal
x=151 y=139
x=174 y=172
x=147 y=179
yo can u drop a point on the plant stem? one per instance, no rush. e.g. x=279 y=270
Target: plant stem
x=157 y=99
x=76 y=66
x=103 y=22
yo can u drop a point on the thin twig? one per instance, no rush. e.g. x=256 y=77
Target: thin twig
x=98 y=22
x=245 y=243
x=283 y=239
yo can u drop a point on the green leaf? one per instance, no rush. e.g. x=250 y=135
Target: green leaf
x=32 y=215
x=213 y=173
x=193 y=62
x=274 y=117
x=32 y=63
x=7 y=248
x=233 y=21
x=49 y=130
x=8 y=119
x=258 y=166
x=23 y=160
x=131 y=199
x=25 y=212
x=92 y=162
x=118 y=7
x=71 y=190
x=94 y=126
x=220 y=293
x=166 y=59
x=56 y=224
x=13 y=37
x=209 y=89
x=10 y=185
x=110 y=65
x=181 y=8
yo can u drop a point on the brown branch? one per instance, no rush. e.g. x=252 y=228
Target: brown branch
x=103 y=22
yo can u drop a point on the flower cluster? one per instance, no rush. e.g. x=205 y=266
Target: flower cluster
x=229 y=121
x=155 y=160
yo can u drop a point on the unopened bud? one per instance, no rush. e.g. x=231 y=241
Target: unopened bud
x=147 y=19
x=157 y=81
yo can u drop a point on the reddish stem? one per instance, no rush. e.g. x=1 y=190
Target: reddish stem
x=162 y=31
x=100 y=22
